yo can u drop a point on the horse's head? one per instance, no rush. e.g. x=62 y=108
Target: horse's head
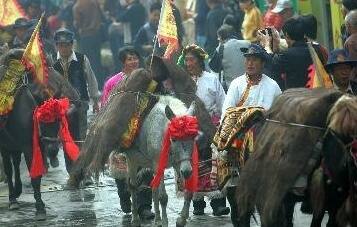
x=182 y=148
x=342 y=131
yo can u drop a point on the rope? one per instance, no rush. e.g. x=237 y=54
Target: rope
x=295 y=124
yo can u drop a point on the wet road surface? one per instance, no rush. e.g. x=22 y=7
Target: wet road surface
x=97 y=205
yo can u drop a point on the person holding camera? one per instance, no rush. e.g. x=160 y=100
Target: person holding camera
x=288 y=67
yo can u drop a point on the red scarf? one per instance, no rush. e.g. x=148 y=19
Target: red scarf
x=179 y=128
x=50 y=111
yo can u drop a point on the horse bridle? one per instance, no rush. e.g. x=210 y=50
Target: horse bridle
x=36 y=103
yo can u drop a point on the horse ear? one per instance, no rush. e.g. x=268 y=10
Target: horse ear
x=169 y=113
x=191 y=109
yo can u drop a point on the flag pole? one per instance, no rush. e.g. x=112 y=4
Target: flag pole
x=157 y=32
x=33 y=35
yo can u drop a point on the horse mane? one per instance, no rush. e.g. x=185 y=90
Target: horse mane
x=282 y=151
x=343 y=116
x=176 y=105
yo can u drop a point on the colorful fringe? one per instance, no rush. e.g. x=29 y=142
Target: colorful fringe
x=8 y=85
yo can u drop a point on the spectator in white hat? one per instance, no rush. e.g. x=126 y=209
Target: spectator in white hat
x=285 y=9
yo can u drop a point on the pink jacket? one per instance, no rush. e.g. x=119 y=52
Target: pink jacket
x=109 y=86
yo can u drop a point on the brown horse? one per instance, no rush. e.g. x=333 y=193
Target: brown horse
x=17 y=131
x=287 y=147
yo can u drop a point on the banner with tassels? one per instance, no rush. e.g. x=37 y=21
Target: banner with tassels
x=10 y=10
x=34 y=57
x=167 y=30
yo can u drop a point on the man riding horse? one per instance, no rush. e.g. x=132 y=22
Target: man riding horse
x=248 y=95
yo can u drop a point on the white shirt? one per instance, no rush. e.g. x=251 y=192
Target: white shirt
x=261 y=95
x=211 y=92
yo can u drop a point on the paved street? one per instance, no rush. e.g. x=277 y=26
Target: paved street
x=94 y=206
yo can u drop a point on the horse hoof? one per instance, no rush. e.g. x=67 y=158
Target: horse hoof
x=14 y=205
x=40 y=215
x=180 y=222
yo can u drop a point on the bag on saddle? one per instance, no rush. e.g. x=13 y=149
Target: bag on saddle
x=117 y=165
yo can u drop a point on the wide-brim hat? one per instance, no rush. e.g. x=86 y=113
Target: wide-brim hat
x=337 y=57
x=21 y=23
x=255 y=50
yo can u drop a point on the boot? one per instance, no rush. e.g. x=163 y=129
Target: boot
x=199 y=207
x=124 y=195
x=219 y=207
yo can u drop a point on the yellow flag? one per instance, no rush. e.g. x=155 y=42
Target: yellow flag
x=319 y=77
x=10 y=10
x=34 y=58
x=167 y=30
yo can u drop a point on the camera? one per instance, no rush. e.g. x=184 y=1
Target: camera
x=270 y=31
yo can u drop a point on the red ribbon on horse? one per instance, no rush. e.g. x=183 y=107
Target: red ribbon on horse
x=179 y=128
x=51 y=111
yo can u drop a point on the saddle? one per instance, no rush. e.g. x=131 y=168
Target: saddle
x=236 y=122
x=236 y=135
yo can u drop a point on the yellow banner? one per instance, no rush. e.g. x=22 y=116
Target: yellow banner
x=321 y=77
x=34 y=58
x=167 y=30
x=337 y=21
x=10 y=10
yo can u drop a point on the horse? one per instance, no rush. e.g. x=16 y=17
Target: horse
x=17 y=132
x=145 y=151
x=333 y=185
x=289 y=147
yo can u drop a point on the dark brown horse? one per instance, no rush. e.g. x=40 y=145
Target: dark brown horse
x=333 y=187
x=16 y=133
x=288 y=147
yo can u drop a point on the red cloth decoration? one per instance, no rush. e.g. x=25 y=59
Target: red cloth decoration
x=179 y=128
x=50 y=111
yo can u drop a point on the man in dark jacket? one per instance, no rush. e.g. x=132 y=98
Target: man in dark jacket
x=289 y=67
x=135 y=15
x=214 y=21
x=76 y=68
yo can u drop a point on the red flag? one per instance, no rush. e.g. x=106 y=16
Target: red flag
x=167 y=30
x=34 y=58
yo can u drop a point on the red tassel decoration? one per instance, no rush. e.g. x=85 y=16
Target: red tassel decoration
x=50 y=111
x=179 y=128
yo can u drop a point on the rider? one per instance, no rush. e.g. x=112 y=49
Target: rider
x=130 y=59
x=77 y=69
x=252 y=89
x=211 y=92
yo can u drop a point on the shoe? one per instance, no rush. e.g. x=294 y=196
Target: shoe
x=221 y=211
x=198 y=212
x=54 y=162
x=146 y=214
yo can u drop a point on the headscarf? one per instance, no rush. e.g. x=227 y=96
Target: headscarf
x=196 y=50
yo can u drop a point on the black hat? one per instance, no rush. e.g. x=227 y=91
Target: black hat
x=338 y=56
x=63 y=35
x=255 y=50
x=21 y=23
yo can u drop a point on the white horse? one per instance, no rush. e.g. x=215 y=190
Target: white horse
x=146 y=152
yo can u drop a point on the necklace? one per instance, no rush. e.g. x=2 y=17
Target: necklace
x=253 y=82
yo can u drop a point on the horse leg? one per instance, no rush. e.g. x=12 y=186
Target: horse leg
x=317 y=220
x=155 y=196
x=185 y=212
x=13 y=204
x=231 y=196
x=289 y=205
x=135 y=219
x=18 y=183
x=40 y=206
x=163 y=198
